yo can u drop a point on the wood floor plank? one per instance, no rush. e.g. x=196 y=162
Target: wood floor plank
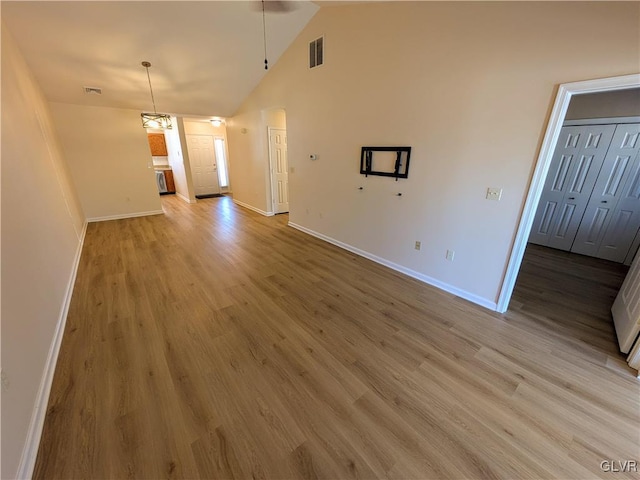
x=212 y=342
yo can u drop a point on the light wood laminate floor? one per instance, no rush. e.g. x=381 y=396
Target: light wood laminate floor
x=212 y=342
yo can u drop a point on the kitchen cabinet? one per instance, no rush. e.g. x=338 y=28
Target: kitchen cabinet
x=164 y=181
x=168 y=178
x=157 y=144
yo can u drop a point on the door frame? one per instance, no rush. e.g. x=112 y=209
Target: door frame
x=273 y=195
x=556 y=119
x=634 y=358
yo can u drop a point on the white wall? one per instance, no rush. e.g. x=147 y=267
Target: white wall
x=468 y=86
x=275 y=118
x=249 y=156
x=248 y=159
x=177 y=160
x=109 y=158
x=42 y=228
x=623 y=103
x=204 y=127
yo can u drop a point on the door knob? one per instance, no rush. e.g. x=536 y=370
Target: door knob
x=572 y=198
x=603 y=201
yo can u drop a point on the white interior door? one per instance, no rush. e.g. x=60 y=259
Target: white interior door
x=279 y=169
x=626 y=308
x=573 y=172
x=612 y=217
x=203 y=164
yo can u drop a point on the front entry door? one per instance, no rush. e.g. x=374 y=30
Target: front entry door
x=279 y=170
x=203 y=164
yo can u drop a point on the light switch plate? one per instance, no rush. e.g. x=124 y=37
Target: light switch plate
x=494 y=193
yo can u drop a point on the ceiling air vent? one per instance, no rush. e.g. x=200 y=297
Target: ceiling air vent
x=93 y=90
x=316 y=53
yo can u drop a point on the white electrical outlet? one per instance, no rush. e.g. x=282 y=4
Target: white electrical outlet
x=450 y=255
x=494 y=193
x=418 y=245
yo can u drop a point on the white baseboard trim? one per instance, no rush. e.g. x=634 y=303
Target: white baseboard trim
x=179 y=195
x=30 y=450
x=251 y=207
x=483 y=302
x=126 y=215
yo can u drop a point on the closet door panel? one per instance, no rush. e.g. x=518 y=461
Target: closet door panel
x=573 y=172
x=625 y=220
x=611 y=218
x=545 y=222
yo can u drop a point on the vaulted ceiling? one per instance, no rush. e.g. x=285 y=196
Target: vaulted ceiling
x=206 y=56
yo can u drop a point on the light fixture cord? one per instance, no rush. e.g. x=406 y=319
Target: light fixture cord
x=264 y=35
x=151 y=89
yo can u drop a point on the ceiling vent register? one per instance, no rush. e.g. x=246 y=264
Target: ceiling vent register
x=93 y=90
x=316 y=52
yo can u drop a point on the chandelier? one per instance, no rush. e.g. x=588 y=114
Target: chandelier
x=155 y=119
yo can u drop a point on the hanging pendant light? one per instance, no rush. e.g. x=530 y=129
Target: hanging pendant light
x=264 y=37
x=155 y=119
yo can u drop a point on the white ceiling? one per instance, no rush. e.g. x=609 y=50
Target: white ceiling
x=206 y=56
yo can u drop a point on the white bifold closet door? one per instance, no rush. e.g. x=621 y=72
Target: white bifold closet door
x=572 y=175
x=591 y=200
x=612 y=216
